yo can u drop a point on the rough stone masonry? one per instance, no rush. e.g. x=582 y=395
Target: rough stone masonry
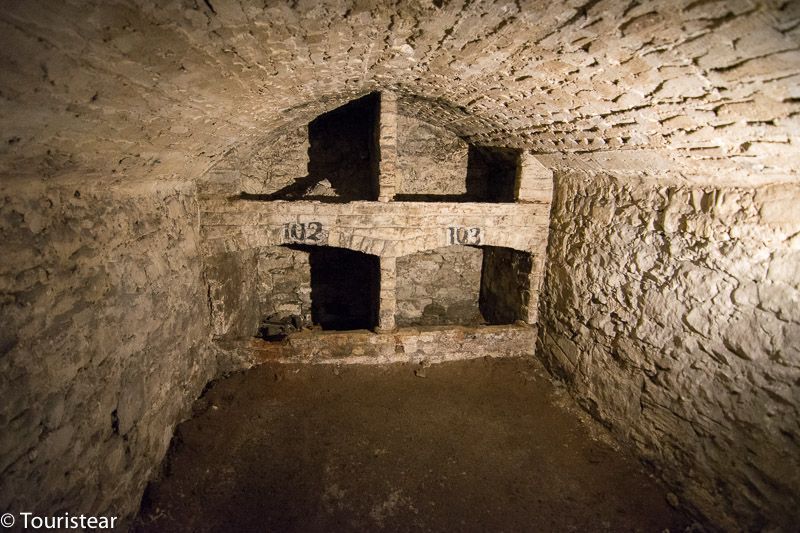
x=673 y=313
x=460 y=209
x=670 y=288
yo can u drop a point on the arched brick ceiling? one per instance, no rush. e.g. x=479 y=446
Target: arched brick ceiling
x=120 y=90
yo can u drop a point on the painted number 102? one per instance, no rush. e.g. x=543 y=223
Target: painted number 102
x=302 y=232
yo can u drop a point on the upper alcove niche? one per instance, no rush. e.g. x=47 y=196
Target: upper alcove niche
x=378 y=147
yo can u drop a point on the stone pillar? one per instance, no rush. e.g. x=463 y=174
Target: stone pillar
x=534 y=181
x=387 y=147
x=388 y=294
x=534 y=184
x=536 y=279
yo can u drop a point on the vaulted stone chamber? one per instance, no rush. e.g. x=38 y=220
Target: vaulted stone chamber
x=397 y=223
x=139 y=257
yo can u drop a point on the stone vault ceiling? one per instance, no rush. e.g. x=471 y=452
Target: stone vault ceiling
x=122 y=91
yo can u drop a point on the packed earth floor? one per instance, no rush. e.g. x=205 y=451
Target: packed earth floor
x=478 y=445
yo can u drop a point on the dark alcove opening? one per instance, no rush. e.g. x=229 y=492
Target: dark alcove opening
x=492 y=173
x=304 y=287
x=345 y=288
x=439 y=287
x=491 y=177
x=463 y=285
x=505 y=285
x=342 y=157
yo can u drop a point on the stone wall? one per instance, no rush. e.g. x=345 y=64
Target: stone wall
x=439 y=287
x=233 y=293
x=278 y=163
x=432 y=160
x=104 y=341
x=284 y=282
x=673 y=313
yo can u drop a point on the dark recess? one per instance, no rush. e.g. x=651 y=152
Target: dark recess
x=505 y=285
x=491 y=177
x=345 y=288
x=343 y=150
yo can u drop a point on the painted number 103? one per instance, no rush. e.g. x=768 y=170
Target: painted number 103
x=459 y=235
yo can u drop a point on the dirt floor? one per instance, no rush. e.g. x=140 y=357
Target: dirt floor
x=480 y=445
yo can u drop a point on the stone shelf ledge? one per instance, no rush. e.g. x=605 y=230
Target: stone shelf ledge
x=432 y=344
x=385 y=229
